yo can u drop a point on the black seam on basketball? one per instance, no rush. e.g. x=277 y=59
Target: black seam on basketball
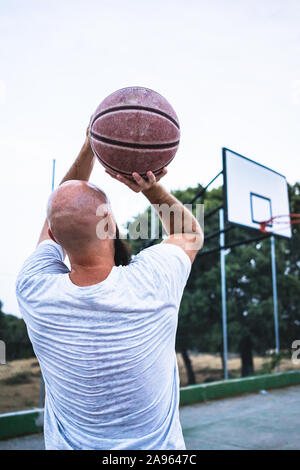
x=121 y=172
x=133 y=145
x=109 y=166
x=137 y=108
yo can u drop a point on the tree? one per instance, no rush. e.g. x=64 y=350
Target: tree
x=14 y=333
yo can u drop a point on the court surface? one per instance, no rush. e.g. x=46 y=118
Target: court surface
x=255 y=421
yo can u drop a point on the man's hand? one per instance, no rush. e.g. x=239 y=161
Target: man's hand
x=139 y=184
x=180 y=224
x=87 y=134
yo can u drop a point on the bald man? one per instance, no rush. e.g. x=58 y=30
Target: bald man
x=104 y=331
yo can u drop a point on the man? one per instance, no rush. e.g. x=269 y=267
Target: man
x=104 y=331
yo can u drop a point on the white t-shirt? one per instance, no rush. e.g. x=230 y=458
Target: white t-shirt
x=107 y=351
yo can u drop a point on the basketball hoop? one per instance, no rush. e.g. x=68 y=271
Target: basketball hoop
x=281 y=221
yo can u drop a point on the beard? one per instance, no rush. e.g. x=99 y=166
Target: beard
x=122 y=250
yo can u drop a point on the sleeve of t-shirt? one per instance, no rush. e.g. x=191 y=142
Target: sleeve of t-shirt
x=47 y=258
x=169 y=267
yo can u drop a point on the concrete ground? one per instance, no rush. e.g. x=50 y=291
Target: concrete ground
x=255 y=421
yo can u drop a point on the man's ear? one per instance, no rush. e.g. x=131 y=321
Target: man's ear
x=51 y=235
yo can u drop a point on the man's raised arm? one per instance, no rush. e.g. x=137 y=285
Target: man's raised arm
x=182 y=227
x=80 y=170
x=180 y=224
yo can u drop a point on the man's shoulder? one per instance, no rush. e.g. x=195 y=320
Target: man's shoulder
x=164 y=252
x=166 y=265
x=45 y=260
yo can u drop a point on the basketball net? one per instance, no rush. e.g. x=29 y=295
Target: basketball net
x=281 y=222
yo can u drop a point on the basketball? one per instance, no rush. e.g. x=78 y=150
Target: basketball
x=134 y=129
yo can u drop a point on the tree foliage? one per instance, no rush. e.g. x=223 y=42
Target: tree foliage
x=14 y=333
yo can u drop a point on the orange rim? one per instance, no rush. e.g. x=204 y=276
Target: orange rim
x=292 y=219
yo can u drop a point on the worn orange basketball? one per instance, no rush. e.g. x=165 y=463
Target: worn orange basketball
x=134 y=129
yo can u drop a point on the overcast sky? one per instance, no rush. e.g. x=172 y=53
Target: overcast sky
x=231 y=70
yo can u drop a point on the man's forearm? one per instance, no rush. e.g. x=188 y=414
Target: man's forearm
x=177 y=220
x=82 y=166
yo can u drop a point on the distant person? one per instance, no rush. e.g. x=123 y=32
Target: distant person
x=104 y=331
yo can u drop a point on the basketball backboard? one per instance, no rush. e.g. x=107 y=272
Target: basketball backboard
x=254 y=193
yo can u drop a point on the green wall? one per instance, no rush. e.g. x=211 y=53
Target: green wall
x=229 y=388
x=20 y=423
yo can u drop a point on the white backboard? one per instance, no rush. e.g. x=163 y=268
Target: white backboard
x=254 y=193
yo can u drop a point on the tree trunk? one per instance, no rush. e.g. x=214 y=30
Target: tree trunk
x=246 y=356
x=188 y=366
x=221 y=351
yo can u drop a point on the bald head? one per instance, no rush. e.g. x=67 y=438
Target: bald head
x=74 y=210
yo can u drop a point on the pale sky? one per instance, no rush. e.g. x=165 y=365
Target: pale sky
x=231 y=70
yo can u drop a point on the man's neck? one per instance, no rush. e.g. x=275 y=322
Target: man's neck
x=89 y=275
x=91 y=268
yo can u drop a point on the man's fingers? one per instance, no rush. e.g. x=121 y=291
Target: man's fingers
x=88 y=128
x=151 y=177
x=111 y=174
x=131 y=184
x=139 y=183
x=163 y=172
x=139 y=179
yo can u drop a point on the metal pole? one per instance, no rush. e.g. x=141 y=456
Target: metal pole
x=42 y=383
x=275 y=301
x=203 y=190
x=42 y=392
x=53 y=174
x=223 y=292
